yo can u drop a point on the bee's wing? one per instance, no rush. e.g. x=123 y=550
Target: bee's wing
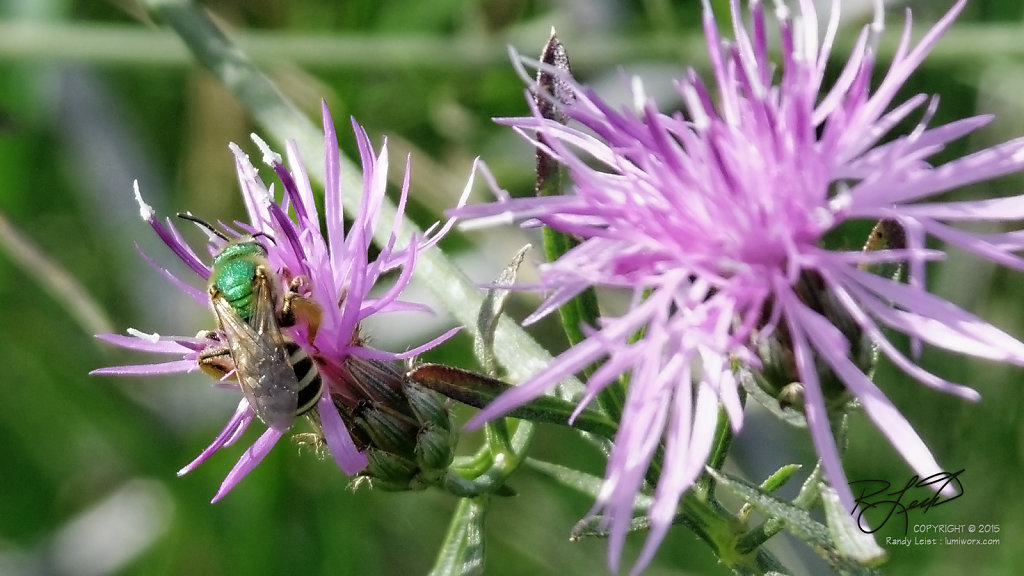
x=261 y=361
x=264 y=316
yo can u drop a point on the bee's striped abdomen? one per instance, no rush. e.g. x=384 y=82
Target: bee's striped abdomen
x=310 y=383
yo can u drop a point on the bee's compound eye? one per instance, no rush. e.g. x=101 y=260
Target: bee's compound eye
x=211 y=335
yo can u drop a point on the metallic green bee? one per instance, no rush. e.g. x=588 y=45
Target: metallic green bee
x=277 y=376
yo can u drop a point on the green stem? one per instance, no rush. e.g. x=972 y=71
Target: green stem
x=582 y=310
x=719 y=451
x=497 y=461
x=721 y=530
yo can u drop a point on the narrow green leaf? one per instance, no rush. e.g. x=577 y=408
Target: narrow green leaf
x=808 y=496
x=849 y=539
x=770 y=484
x=779 y=477
x=809 y=491
x=491 y=310
x=593 y=527
x=463 y=551
x=99 y=43
x=478 y=390
x=502 y=452
x=580 y=481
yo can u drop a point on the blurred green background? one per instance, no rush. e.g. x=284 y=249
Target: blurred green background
x=93 y=95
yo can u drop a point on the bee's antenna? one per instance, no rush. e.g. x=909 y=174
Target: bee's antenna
x=265 y=235
x=203 y=224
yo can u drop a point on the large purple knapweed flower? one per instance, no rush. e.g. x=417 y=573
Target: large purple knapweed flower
x=714 y=217
x=338 y=276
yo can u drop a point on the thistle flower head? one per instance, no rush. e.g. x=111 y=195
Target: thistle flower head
x=327 y=265
x=714 y=218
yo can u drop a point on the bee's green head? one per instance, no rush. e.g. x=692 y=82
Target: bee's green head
x=245 y=249
x=248 y=249
x=234 y=267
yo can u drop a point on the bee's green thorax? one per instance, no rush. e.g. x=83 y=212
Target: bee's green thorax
x=233 y=271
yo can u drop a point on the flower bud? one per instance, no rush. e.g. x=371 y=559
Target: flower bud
x=389 y=472
x=404 y=428
x=435 y=447
x=780 y=377
x=427 y=405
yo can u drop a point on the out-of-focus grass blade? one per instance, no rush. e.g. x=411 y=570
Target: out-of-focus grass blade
x=64 y=288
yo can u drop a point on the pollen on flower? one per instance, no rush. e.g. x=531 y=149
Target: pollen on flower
x=270 y=158
x=145 y=210
x=154 y=337
x=237 y=151
x=841 y=201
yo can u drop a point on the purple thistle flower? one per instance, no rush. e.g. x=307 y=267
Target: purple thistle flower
x=339 y=277
x=714 y=217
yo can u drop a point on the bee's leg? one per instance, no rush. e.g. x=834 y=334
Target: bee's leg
x=314 y=439
x=298 y=307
